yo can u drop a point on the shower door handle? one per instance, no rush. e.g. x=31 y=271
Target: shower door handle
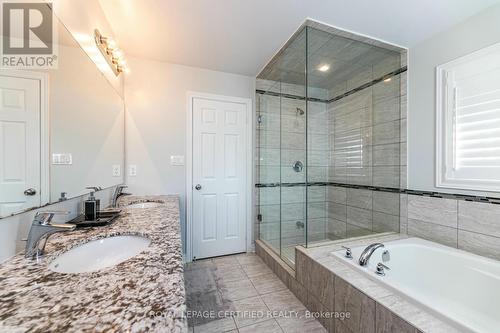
x=198 y=187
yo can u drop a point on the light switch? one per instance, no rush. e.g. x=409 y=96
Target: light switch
x=132 y=170
x=62 y=159
x=116 y=170
x=177 y=160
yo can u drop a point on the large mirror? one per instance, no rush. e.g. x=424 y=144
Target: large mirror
x=61 y=130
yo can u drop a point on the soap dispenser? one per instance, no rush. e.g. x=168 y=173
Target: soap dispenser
x=91 y=208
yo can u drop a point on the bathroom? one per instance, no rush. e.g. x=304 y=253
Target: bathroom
x=264 y=166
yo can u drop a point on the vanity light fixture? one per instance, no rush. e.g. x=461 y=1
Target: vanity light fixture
x=324 y=68
x=111 y=53
x=387 y=80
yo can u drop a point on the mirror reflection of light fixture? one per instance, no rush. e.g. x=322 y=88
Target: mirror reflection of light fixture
x=324 y=68
x=111 y=53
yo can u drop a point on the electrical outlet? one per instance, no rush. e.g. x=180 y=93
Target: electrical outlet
x=132 y=170
x=177 y=160
x=116 y=170
x=62 y=159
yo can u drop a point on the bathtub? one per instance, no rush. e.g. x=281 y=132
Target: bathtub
x=461 y=288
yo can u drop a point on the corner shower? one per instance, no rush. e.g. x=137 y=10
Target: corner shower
x=329 y=142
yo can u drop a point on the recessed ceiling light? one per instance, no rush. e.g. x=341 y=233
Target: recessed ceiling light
x=324 y=68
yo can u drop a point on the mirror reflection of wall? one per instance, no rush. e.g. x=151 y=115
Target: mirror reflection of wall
x=61 y=130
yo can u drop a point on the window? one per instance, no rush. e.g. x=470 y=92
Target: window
x=468 y=121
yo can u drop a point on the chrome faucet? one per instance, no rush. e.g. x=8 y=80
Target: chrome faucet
x=118 y=193
x=367 y=253
x=41 y=229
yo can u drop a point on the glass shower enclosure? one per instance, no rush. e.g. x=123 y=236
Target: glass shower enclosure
x=328 y=141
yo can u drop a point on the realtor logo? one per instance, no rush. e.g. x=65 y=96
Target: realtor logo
x=28 y=35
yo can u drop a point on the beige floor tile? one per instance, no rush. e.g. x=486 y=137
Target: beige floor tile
x=301 y=325
x=268 y=326
x=283 y=300
x=236 y=290
x=248 y=259
x=229 y=275
x=251 y=311
x=216 y=326
x=252 y=270
x=267 y=283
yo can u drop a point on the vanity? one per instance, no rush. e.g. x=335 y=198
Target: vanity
x=142 y=293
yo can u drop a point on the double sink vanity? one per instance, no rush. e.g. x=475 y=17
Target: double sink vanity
x=126 y=276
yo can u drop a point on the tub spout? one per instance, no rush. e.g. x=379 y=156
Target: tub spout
x=367 y=253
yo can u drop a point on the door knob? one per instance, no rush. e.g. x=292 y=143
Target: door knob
x=30 y=191
x=198 y=187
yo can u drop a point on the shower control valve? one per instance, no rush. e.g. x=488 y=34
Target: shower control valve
x=348 y=252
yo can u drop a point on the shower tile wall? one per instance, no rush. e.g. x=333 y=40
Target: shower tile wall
x=358 y=140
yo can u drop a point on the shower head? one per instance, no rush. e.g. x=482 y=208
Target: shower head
x=299 y=112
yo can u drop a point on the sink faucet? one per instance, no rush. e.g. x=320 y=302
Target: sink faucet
x=41 y=229
x=367 y=253
x=118 y=193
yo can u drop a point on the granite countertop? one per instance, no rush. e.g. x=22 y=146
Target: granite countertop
x=143 y=293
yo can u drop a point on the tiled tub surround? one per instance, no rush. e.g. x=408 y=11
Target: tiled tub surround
x=326 y=284
x=466 y=225
x=116 y=299
x=422 y=270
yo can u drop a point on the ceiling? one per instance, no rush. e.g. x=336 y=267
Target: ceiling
x=241 y=36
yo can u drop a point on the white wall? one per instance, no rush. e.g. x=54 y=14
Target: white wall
x=156 y=102
x=475 y=33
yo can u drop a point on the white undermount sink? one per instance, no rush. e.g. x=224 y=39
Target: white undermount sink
x=99 y=254
x=145 y=205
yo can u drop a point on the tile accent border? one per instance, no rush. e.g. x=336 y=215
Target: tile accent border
x=350 y=92
x=442 y=195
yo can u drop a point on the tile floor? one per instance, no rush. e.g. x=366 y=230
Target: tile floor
x=244 y=296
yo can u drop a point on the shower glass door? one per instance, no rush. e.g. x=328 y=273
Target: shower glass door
x=281 y=155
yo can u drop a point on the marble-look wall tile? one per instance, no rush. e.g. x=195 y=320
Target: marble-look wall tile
x=269 y=196
x=388 y=154
x=337 y=211
x=321 y=284
x=316 y=193
x=386 y=90
x=479 y=217
x=337 y=194
x=387 y=110
x=480 y=244
x=336 y=228
x=387 y=321
x=433 y=232
x=268 y=139
x=386 y=202
x=386 y=176
x=434 y=210
x=359 y=217
x=361 y=307
x=386 y=133
x=385 y=223
x=270 y=213
x=268 y=156
x=360 y=198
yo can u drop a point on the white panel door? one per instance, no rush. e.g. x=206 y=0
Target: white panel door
x=219 y=177
x=19 y=144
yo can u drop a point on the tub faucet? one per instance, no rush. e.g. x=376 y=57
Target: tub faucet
x=367 y=253
x=41 y=228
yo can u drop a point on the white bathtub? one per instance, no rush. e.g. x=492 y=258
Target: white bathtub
x=458 y=286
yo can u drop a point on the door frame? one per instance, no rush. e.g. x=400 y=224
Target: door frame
x=191 y=95
x=43 y=79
